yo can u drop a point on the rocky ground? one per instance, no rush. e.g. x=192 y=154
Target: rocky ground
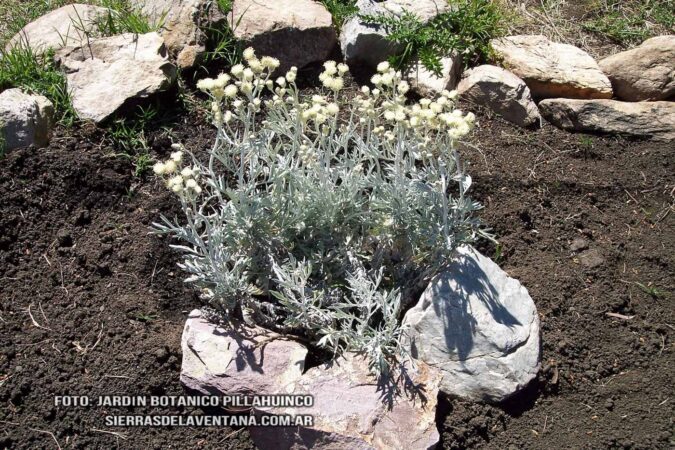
x=92 y=303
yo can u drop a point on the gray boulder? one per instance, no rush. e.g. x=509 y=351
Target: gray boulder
x=646 y=72
x=654 y=120
x=425 y=82
x=479 y=327
x=68 y=25
x=25 y=119
x=242 y=361
x=297 y=32
x=366 y=43
x=502 y=92
x=106 y=72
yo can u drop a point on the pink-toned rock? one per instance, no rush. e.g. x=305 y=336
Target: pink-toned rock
x=245 y=361
x=351 y=411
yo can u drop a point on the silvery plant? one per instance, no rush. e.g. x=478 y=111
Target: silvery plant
x=321 y=216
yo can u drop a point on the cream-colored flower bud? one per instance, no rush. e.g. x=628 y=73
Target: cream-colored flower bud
x=159 y=168
x=343 y=68
x=383 y=67
x=177 y=156
x=249 y=53
x=237 y=70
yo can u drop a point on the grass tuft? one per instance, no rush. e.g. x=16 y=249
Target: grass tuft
x=341 y=10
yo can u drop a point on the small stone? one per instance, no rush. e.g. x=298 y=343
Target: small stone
x=591 y=259
x=64 y=238
x=578 y=244
x=162 y=354
x=609 y=404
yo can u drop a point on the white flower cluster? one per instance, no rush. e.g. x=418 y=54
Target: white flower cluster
x=183 y=180
x=332 y=76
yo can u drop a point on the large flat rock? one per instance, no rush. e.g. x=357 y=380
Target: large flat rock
x=106 y=72
x=654 y=120
x=502 y=92
x=551 y=69
x=351 y=410
x=646 y=72
x=479 y=327
x=25 y=119
x=68 y=25
x=297 y=32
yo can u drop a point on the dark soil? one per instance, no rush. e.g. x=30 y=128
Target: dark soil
x=91 y=303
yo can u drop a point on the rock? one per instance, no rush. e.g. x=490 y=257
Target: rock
x=578 y=244
x=25 y=119
x=245 y=361
x=646 y=72
x=551 y=69
x=591 y=259
x=425 y=82
x=479 y=327
x=502 y=92
x=297 y=32
x=68 y=25
x=366 y=43
x=351 y=411
x=107 y=72
x=655 y=120
x=181 y=25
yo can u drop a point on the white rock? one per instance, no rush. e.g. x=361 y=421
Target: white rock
x=502 y=92
x=479 y=327
x=181 y=24
x=646 y=72
x=551 y=69
x=365 y=43
x=654 y=120
x=107 y=72
x=25 y=119
x=246 y=361
x=68 y=25
x=297 y=32
x=352 y=412
x=425 y=82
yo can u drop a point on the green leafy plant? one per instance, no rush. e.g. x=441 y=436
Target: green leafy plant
x=466 y=28
x=21 y=68
x=341 y=10
x=325 y=216
x=128 y=138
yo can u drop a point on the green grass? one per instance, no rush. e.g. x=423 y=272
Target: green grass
x=128 y=137
x=341 y=10
x=20 y=67
x=466 y=29
x=630 y=22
